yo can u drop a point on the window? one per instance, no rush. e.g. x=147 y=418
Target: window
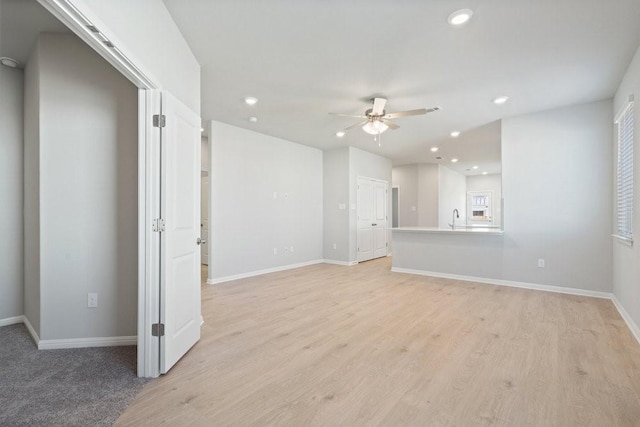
x=624 y=183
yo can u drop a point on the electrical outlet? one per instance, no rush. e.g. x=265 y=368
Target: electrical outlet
x=286 y=250
x=540 y=263
x=92 y=300
x=275 y=251
x=335 y=246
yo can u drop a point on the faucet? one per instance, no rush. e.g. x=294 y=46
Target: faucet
x=456 y=214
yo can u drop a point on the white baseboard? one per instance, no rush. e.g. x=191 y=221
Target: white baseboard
x=32 y=332
x=69 y=343
x=633 y=327
x=261 y=272
x=87 y=342
x=635 y=330
x=513 y=284
x=344 y=263
x=11 y=320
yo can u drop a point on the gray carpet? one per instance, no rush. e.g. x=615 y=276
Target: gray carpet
x=74 y=387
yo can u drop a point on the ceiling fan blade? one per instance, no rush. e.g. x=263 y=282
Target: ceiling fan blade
x=378 y=106
x=389 y=123
x=357 y=125
x=405 y=113
x=348 y=115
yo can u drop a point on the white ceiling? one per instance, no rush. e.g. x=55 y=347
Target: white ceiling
x=20 y=23
x=305 y=58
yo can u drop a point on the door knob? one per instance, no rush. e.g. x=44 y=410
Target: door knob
x=200 y=241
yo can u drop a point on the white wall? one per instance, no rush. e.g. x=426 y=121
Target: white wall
x=11 y=183
x=204 y=153
x=626 y=259
x=335 y=164
x=452 y=194
x=493 y=183
x=145 y=31
x=557 y=189
x=32 y=189
x=247 y=168
x=88 y=193
x=365 y=165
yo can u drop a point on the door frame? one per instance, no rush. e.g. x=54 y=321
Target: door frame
x=92 y=31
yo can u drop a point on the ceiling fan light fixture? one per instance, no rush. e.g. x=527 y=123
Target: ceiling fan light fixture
x=374 y=127
x=460 y=17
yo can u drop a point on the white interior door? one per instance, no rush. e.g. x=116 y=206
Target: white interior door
x=372 y=219
x=180 y=250
x=204 y=219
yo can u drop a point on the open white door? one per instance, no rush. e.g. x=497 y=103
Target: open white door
x=180 y=239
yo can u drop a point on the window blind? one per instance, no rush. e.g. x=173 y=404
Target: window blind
x=624 y=196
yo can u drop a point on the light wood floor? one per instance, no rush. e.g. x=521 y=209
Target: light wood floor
x=328 y=345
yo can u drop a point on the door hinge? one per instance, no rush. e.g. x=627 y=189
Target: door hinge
x=157 y=329
x=159 y=120
x=157 y=225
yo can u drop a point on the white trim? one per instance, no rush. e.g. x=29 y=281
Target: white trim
x=87 y=342
x=32 y=332
x=261 y=272
x=635 y=330
x=344 y=263
x=513 y=284
x=11 y=320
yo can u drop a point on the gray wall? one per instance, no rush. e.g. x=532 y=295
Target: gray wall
x=626 y=259
x=429 y=195
x=365 y=165
x=557 y=186
x=452 y=194
x=32 y=189
x=406 y=179
x=247 y=221
x=88 y=193
x=557 y=189
x=335 y=164
x=11 y=171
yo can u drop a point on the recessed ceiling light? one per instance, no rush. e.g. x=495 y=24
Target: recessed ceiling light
x=434 y=149
x=475 y=167
x=9 y=62
x=500 y=100
x=454 y=160
x=253 y=119
x=250 y=100
x=340 y=134
x=484 y=173
x=455 y=134
x=459 y=17
x=201 y=129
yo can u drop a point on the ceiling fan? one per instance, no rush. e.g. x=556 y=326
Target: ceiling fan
x=377 y=120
